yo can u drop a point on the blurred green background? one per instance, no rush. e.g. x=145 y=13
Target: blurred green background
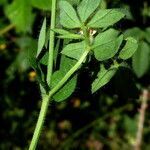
x=105 y=120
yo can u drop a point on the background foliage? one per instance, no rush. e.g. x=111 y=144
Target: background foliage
x=105 y=120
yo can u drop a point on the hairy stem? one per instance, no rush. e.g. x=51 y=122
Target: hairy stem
x=40 y=122
x=51 y=43
x=46 y=99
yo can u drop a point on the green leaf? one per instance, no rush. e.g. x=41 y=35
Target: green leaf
x=20 y=14
x=86 y=8
x=66 y=63
x=68 y=16
x=66 y=90
x=69 y=86
x=129 y=48
x=125 y=9
x=64 y=34
x=147 y=34
x=71 y=36
x=47 y=38
x=3 y=2
x=74 y=2
x=107 y=44
x=141 y=59
x=31 y=54
x=103 y=77
x=61 y=31
x=105 y=17
x=56 y=52
x=44 y=59
x=42 y=4
x=103 y=4
x=135 y=32
x=74 y=50
x=42 y=38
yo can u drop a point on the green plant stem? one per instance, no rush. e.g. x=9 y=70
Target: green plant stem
x=40 y=122
x=6 y=29
x=45 y=101
x=69 y=73
x=47 y=98
x=86 y=35
x=51 y=43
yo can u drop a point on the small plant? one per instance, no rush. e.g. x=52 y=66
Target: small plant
x=87 y=34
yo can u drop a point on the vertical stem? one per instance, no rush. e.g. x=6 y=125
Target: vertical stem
x=144 y=99
x=40 y=122
x=86 y=35
x=51 y=43
x=45 y=101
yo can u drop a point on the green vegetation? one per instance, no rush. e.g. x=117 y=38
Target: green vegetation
x=85 y=73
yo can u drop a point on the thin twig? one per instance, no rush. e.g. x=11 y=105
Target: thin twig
x=144 y=99
x=6 y=29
